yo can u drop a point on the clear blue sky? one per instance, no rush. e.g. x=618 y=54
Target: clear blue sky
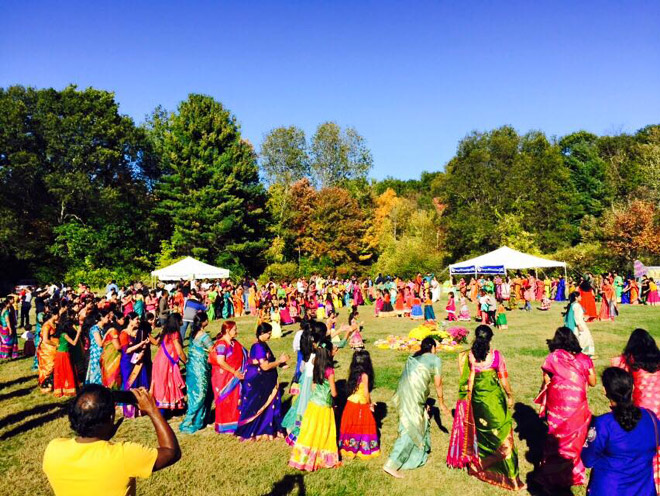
x=412 y=77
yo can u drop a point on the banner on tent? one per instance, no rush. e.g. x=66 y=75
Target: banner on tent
x=486 y=269
x=463 y=270
x=492 y=269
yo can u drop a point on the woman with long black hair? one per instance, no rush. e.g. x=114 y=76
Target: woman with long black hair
x=622 y=444
x=641 y=358
x=482 y=436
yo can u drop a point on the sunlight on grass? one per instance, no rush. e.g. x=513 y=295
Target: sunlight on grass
x=221 y=465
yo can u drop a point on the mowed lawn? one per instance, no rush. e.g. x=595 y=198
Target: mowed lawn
x=221 y=465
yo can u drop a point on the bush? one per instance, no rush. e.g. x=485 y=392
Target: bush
x=588 y=257
x=279 y=272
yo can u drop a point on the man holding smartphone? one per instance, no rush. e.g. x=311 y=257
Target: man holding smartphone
x=90 y=463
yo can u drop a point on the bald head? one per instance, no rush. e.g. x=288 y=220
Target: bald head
x=92 y=412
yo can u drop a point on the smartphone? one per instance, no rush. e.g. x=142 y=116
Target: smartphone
x=124 y=397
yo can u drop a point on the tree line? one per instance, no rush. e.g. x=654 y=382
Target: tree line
x=89 y=195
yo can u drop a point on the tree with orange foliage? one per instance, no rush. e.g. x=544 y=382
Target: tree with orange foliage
x=632 y=231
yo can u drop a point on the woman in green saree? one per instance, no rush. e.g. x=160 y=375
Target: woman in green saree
x=482 y=436
x=412 y=447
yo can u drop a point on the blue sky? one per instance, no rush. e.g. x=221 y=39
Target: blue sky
x=412 y=77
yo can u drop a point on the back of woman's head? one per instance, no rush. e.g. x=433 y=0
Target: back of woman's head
x=199 y=319
x=360 y=364
x=642 y=352
x=306 y=340
x=319 y=330
x=573 y=296
x=227 y=326
x=619 y=388
x=172 y=324
x=263 y=328
x=481 y=345
x=564 y=339
x=426 y=346
x=322 y=361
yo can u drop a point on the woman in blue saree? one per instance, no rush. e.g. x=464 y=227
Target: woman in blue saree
x=261 y=402
x=133 y=372
x=198 y=373
x=228 y=306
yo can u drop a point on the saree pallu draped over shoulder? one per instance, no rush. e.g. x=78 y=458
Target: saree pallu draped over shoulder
x=486 y=443
x=412 y=447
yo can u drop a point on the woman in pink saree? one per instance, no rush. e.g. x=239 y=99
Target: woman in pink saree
x=641 y=359
x=563 y=399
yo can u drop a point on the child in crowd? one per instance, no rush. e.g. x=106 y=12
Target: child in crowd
x=464 y=312
x=65 y=382
x=316 y=446
x=355 y=340
x=358 y=436
x=501 y=321
x=451 y=308
x=29 y=347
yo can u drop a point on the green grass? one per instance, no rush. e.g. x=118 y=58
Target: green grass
x=220 y=465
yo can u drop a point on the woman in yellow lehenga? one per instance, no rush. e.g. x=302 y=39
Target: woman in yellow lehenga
x=46 y=353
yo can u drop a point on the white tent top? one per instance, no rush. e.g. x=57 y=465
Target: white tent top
x=189 y=268
x=508 y=258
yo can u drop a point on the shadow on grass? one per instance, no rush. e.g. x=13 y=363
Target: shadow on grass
x=288 y=485
x=434 y=412
x=18 y=380
x=533 y=430
x=47 y=413
x=17 y=393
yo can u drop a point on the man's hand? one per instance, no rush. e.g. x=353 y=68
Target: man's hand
x=145 y=402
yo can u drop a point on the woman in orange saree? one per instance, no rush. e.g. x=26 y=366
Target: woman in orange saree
x=46 y=352
x=608 y=303
x=238 y=302
x=634 y=291
x=588 y=301
x=566 y=369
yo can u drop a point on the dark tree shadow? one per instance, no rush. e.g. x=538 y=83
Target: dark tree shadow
x=17 y=393
x=18 y=380
x=55 y=411
x=434 y=412
x=287 y=485
x=287 y=332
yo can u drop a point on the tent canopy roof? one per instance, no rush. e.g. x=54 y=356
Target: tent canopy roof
x=189 y=268
x=509 y=258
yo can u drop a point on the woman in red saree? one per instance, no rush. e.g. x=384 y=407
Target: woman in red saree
x=563 y=399
x=588 y=301
x=228 y=361
x=641 y=358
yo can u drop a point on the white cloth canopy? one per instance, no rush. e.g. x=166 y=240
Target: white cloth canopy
x=509 y=258
x=189 y=268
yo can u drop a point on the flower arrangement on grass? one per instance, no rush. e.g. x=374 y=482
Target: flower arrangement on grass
x=458 y=334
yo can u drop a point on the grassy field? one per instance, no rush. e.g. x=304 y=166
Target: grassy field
x=220 y=465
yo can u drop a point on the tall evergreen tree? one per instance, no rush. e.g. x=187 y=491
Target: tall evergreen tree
x=210 y=192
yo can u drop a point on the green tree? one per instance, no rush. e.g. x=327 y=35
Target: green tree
x=337 y=155
x=71 y=165
x=210 y=192
x=588 y=173
x=283 y=156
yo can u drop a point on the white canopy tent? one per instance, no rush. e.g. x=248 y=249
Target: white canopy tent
x=504 y=258
x=189 y=268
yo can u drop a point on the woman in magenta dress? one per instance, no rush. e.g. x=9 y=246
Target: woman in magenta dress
x=167 y=384
x=565 y=370
x=228 y=361
x=261 y=403
x=641 y=358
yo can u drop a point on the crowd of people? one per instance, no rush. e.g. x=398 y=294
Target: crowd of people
x=85 y=342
